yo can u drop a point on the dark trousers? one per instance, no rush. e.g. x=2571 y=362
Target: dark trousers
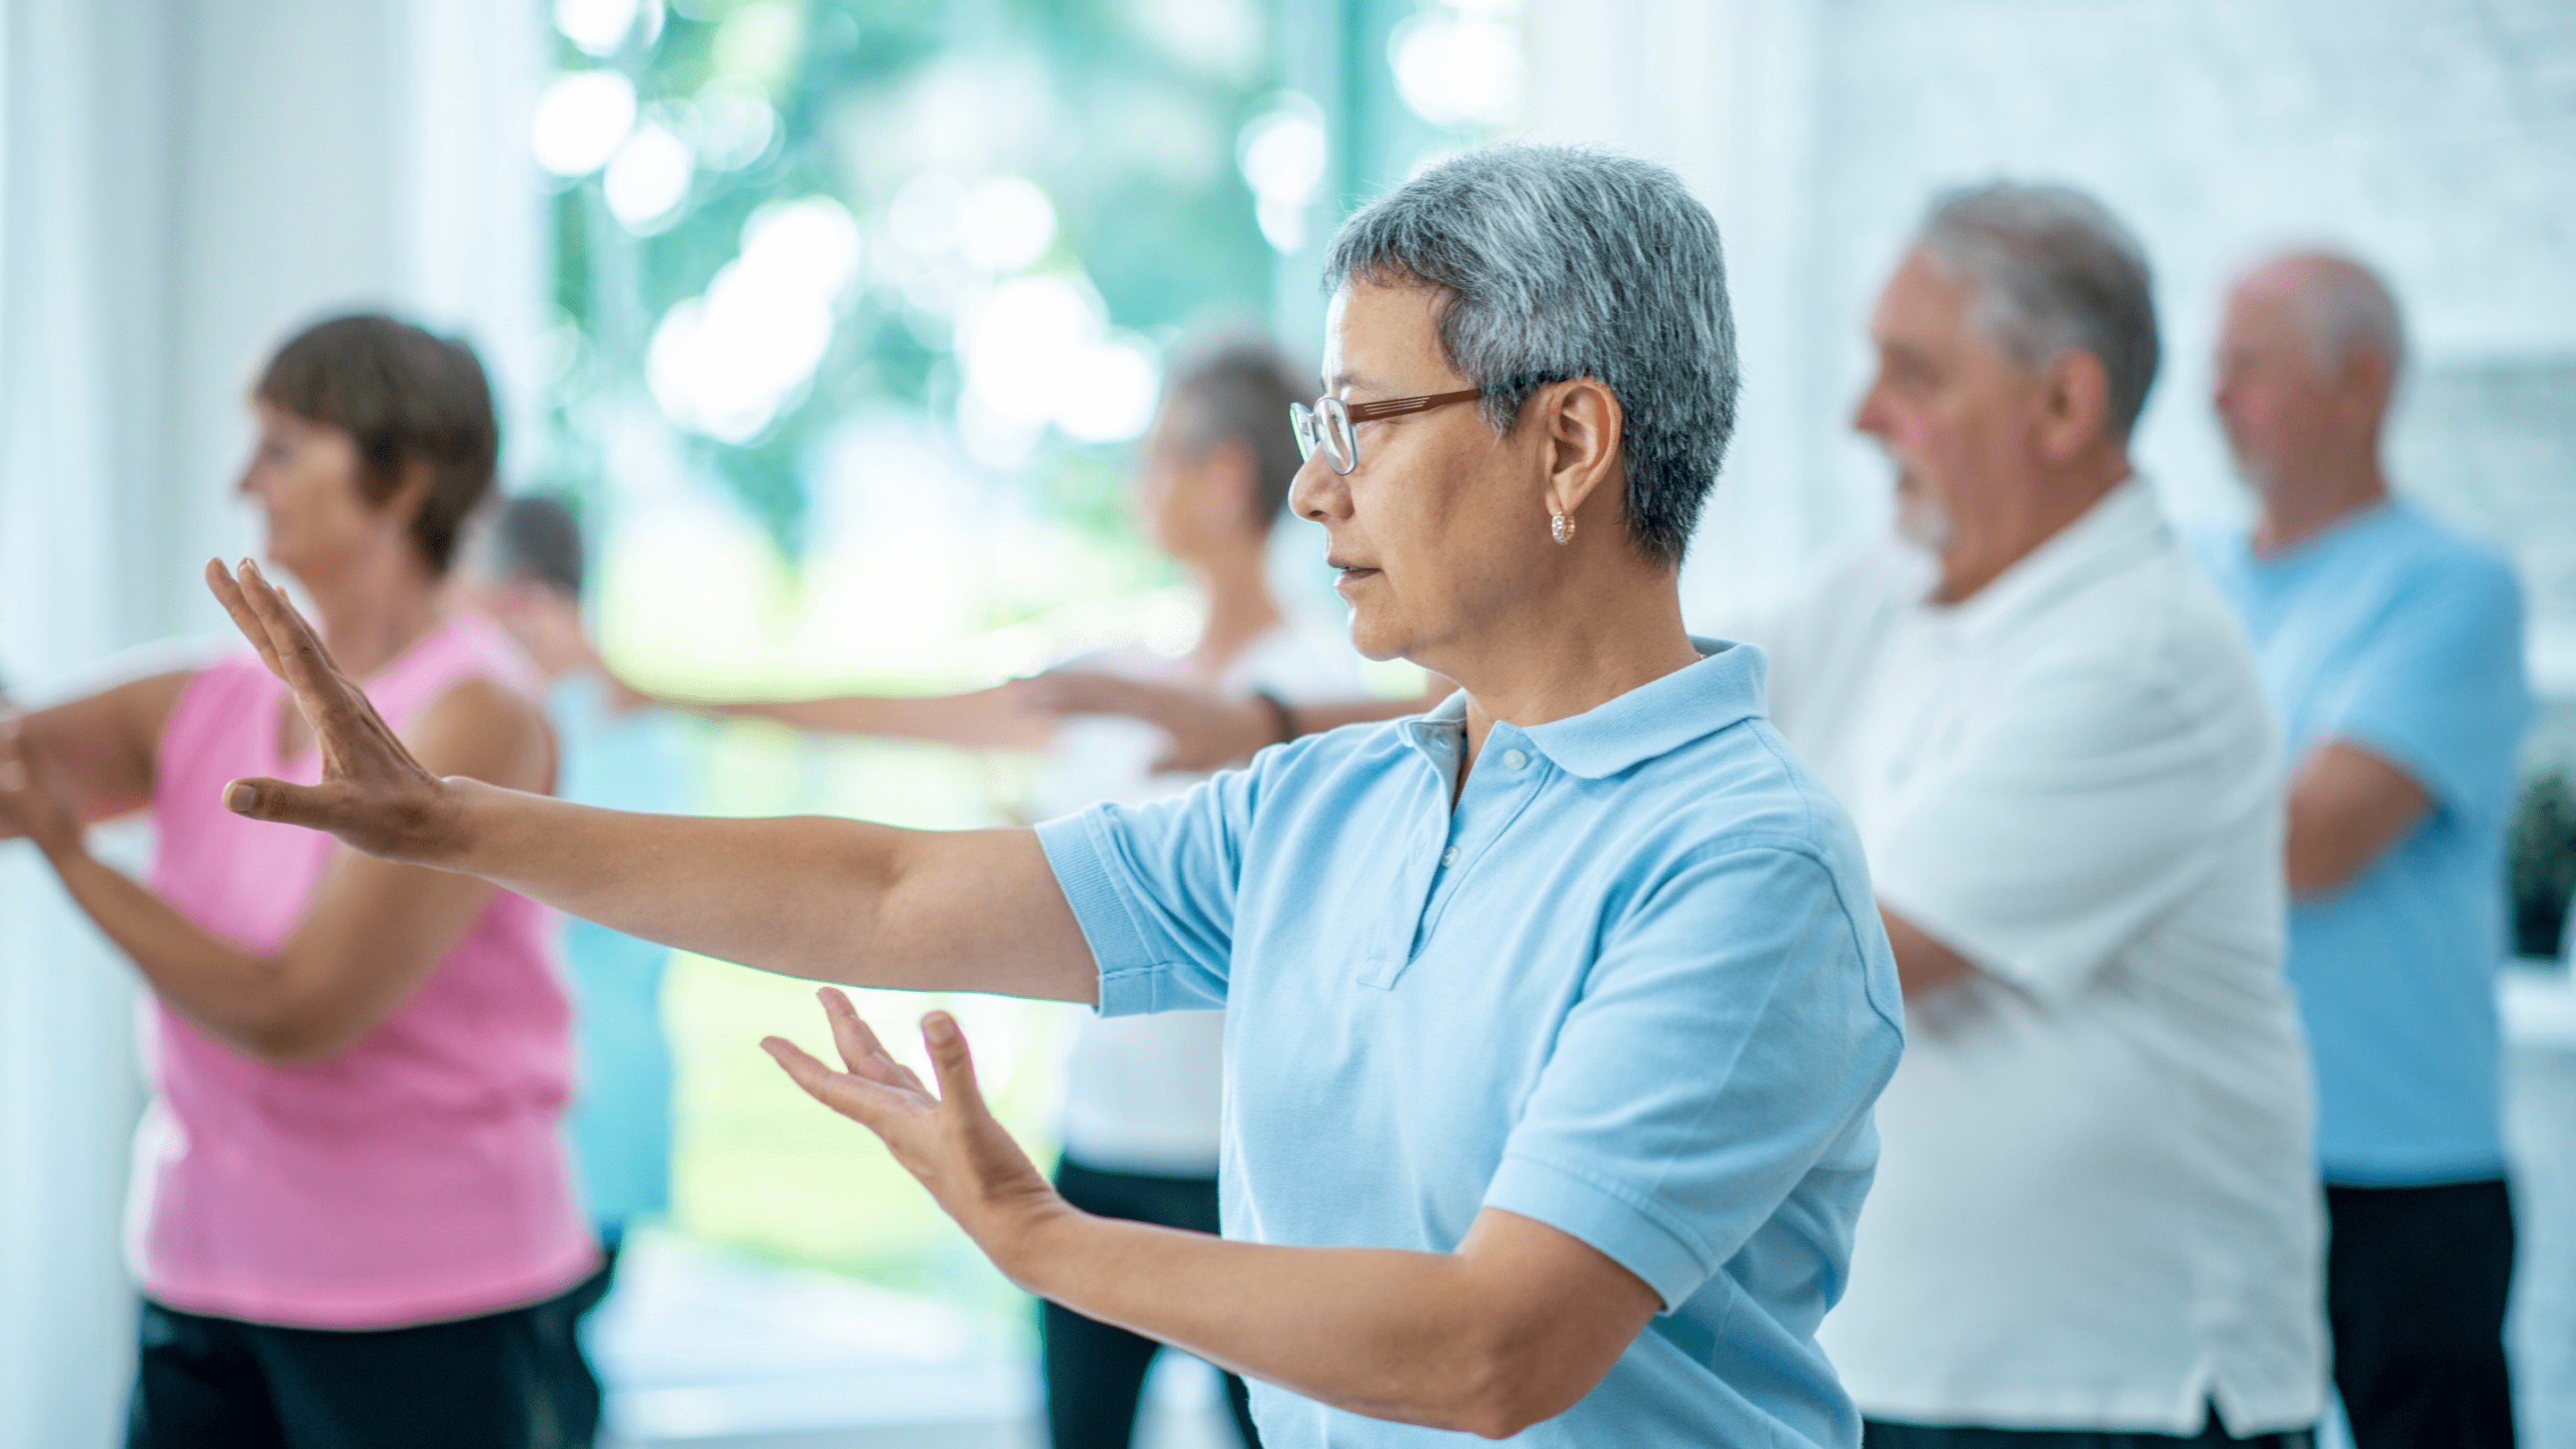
x=1876 y=1435
x=1095 y=1373
x=2416 y=1279
x=512 y=1380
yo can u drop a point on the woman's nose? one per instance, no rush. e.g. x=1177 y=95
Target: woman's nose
x=1317 y=492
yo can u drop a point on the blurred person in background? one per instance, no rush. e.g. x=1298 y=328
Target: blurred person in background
x=524 y=571
x=1142 y=1100
x=354 y=1221
x=2095 y=1223
x=2393 y=651
x=1554 y=1018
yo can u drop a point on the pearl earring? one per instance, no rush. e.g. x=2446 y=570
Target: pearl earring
x=1560 y=528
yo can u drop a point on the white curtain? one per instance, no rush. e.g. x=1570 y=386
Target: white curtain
x=179 y=185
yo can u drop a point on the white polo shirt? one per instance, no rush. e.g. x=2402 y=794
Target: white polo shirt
x=2097 y=1206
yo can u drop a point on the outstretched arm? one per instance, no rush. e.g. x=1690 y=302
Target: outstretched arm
x=1514 y=1326
x=830 y=899
x=999 y=718
x=1208 y=730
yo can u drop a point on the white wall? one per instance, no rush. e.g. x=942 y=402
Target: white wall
x=179 y=185
x=2435 y=138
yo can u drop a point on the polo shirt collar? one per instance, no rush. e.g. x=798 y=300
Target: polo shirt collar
x=1723 y=688
x=2124 y=524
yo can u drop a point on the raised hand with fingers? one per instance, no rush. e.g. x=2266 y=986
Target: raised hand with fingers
x=949 y=1141
x=373 y=795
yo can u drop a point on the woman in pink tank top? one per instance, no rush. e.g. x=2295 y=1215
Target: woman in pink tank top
x=353 y=1217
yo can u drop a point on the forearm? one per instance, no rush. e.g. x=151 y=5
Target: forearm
x=985 y=719
x=823 y=898
x=1386 y=1333
x=248 y=1002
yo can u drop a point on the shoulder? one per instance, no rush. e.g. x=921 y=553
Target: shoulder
x=2435 y=559
x=482 y=727
x=2154 y=653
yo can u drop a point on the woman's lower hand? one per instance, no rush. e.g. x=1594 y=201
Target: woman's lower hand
x=373 y=795
x=949 y=1141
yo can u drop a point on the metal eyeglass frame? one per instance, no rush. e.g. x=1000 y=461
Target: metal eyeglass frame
x=1328 y=424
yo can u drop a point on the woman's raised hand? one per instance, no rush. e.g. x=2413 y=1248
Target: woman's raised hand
x=950 y=1141
x=373 y=796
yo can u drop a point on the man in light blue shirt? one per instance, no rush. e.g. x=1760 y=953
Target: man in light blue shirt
x=2393 y=652
x=1554 y=1020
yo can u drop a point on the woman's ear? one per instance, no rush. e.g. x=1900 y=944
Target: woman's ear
x=403 y=506
x=1582 y=421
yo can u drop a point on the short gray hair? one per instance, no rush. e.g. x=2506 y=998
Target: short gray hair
x=1237 y=387
x=2054 y=272
x=1564 y=263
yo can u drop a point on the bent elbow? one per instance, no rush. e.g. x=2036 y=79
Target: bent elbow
x=1507 y=1390
x=290 y=1039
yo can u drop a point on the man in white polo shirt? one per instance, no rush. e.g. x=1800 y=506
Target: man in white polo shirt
x=2095 y=1221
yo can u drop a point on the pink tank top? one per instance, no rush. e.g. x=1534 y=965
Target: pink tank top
x=420 y=1173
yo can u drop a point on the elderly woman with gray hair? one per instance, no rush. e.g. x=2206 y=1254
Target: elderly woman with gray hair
x=1554 y=1017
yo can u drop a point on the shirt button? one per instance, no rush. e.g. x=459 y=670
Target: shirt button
x=1450 y=856
x=1515 y=758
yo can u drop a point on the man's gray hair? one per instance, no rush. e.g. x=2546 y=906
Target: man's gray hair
x=1563 y=263
x=1238 y=387
x=2054 y=272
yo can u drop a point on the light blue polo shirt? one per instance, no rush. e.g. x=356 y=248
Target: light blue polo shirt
x=1633 y=986
x=2393 y=634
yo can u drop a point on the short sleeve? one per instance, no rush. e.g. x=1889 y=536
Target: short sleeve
x=2089 y=798
x=1728 y=1039
x=2437 y=687
x=1154 y=887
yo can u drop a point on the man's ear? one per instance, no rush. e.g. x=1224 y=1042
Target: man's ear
x=2075 y=404
x=1581 y=421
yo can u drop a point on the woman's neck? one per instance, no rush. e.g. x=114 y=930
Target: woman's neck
x=1613 y=630
x=371 y=611
x=1239 y=608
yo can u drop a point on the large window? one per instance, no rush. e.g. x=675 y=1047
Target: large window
x=860 y=303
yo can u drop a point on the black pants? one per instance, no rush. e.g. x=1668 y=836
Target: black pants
x=2415 y=1292
x=1875 y=1435
x=1095 y=1373
x=512 y=1380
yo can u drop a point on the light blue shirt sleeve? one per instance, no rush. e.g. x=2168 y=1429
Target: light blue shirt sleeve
x=1154 y=889
x=1680 y=1105
x=2438 y=688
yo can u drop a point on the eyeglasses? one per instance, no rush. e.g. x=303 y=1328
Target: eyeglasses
x=1328 y=424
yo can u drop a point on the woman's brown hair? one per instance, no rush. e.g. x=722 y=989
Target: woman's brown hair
x=406 y=398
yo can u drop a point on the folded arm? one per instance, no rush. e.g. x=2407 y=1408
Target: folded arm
x=2348 y=807
x=830 y=899
x=374 y=932
x=102 y=746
